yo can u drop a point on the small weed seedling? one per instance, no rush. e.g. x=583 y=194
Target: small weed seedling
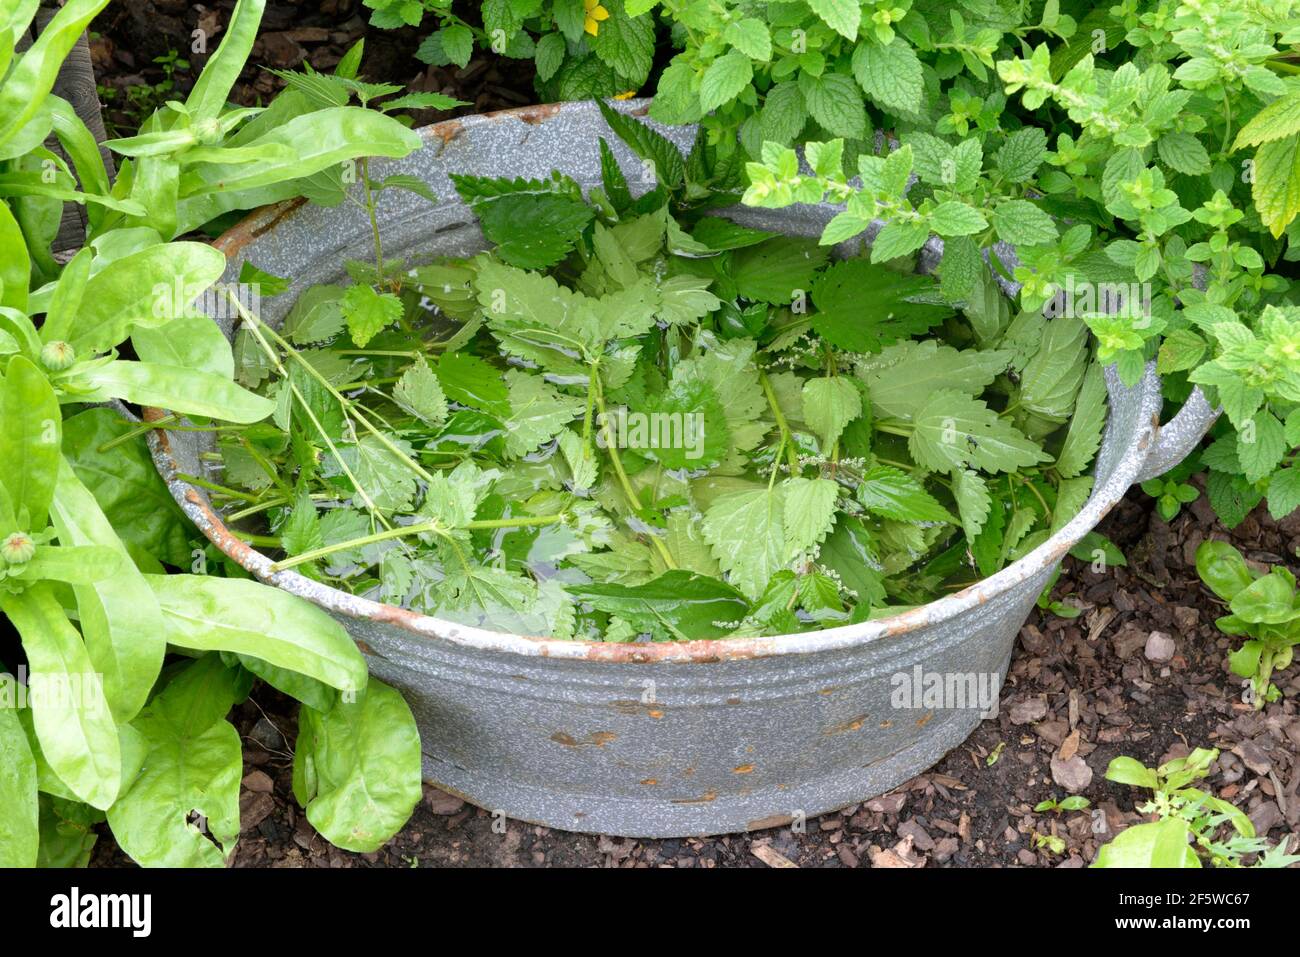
x=1265 y=609
x=1188 y=820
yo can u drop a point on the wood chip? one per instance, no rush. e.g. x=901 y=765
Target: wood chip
x=771 y=856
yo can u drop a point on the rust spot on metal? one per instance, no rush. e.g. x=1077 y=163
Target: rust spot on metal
x=853 y=724
x=734 y=701
x=689 y=771
x=763 y=823
x=447 y=130
x=886 y=724
x=922 y=722
x=743 y=769
x=533 y=114
x=597 y=739
x=828 y=690
x=233 y=240
x=364 y=647
x=650 y=782
x=705 y=798
x=628 y=707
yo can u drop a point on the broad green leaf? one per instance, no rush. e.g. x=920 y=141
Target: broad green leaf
x=357 y=768
x=1266 y=446
x=537 y=412
x=889 y=492
x=1278 y=120
x=174 y=388
x=1223 y=569
x=679 y=604
x=1269 y=599
x=139 y=510
x=1053 y=375
x=15 y=263
x=861 y=306
x=850 y=552
x=419 y=393
x=750 y=36
x=1160 y=844
x=747 y=533
x=368 y=312
x=954 y=218
x=902 y=377
x=833 y=100
x=19 y=817
x=1276 y=187
x=533 y=230
x=77 y=733
x=808 y=512
x=120 y=619
x=1126 y=770
x=30 y=436
x=724 y=79
x=191 y=342
x=246 y=617
x=1083 y=437
x=1022 y=223
x=1284 y=492
x=777 y=271
x=842 y=16
x=150 y=287
x=971 y=492
x=1021 y=154
x=187 y=772
x=952 y=430
x=890 y=74
x=1183 y=153
x=829 y=404
x=626 y=44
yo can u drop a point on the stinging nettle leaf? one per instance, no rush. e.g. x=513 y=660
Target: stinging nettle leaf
x=952 y=430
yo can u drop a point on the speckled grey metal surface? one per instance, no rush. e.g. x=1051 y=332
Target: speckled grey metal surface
x=664 y=739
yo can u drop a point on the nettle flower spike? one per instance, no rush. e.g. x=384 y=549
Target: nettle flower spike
x=17 y=548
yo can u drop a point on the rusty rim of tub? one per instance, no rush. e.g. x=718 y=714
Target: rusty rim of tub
x=705 y=650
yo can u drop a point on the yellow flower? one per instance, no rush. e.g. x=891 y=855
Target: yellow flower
x=595 y=13
x=625 y=96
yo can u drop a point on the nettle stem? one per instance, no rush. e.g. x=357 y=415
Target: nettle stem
x=611 y=446
x=787 y=437
x=349 y=407
x=431 y=527
x=372 y=213
x=254 y=326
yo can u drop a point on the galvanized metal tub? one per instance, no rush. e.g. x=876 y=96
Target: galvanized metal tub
x=664 y=739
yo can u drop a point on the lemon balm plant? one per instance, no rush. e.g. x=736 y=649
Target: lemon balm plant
x=129 y=671
x=1147 y=153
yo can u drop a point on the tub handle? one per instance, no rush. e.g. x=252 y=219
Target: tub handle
x=1176 y=439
